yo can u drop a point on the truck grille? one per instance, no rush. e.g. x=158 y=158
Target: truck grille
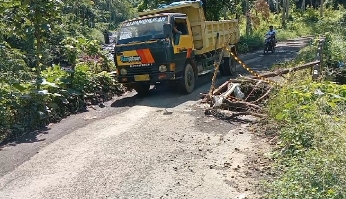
x=142 y=70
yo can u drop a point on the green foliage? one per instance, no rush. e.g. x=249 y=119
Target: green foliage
x=37 y=34
x=213 y=9
x=23 y=107
x=312 y=137
x=102 y=14
x=312 y=141
x=84 y=50
x=249 y=43
x=96 y=34
x=335 y=48
x=310 y=15
x=335 y=55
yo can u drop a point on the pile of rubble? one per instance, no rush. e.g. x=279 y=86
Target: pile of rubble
x=245 y=95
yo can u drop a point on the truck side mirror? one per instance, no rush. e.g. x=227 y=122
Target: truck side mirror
x=167 y=30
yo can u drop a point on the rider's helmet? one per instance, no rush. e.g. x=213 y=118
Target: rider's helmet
x=271 y=27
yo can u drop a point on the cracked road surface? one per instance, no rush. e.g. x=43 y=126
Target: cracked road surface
x=162 y=146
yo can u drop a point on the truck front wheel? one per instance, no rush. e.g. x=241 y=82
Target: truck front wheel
x=228 y=67
x=142 y=89
x=187 y=83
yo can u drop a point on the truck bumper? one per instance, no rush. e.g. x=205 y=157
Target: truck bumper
x=148 y=78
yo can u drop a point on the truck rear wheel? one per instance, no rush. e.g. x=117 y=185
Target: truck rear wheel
x=187 y=83
x=142 y=89
x=228 y=67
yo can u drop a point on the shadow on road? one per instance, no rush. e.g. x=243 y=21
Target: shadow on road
x=28 y=137
x=161 y=96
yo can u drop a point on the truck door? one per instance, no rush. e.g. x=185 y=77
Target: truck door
x=183 y=44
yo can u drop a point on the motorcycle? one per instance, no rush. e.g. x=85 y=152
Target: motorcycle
x=269 y=44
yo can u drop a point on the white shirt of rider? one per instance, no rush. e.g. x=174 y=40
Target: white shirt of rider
x=271 y=32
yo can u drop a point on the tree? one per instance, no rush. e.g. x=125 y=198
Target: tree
x=33 y=20
x=248 y=18
x=213 y=9
x=285 y=12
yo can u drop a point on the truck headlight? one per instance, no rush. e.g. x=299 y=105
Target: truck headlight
x=123 y=71
x=162 y=68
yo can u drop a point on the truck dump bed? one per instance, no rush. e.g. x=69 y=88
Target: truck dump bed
x=204 y=32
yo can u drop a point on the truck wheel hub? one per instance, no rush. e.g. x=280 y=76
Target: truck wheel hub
x=189 y=78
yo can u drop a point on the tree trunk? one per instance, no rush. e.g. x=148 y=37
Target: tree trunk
x=237 y=14
x=287 y=9
x=225 y=14
x=321 y=8
x=248 y=19
x=284 y=13
x=303 y=5
x=38 y=49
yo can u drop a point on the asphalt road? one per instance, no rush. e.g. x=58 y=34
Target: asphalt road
x=161 y=146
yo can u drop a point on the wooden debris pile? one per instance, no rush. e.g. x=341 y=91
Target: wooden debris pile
x=239 y=97
x=245 y=95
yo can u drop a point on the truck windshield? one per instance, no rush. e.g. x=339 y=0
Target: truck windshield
x=142 y=29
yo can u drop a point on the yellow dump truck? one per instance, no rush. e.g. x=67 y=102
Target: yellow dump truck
x=173 y=44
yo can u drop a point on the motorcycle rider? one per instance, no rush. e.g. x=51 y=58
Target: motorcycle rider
x=272 y=32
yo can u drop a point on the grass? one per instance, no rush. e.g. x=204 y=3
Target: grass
x=309 y=161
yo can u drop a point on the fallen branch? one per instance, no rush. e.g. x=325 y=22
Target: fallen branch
x=224 y=86
x=221 y=88
x=263 y=96
x=255 y=87
x=250 y=79
x=288 y=70
x=230 y=114
x=242 y=104
x=235 y=114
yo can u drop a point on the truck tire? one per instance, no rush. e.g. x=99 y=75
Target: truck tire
x=142 y=89
x=187 y=83
x=228 y=67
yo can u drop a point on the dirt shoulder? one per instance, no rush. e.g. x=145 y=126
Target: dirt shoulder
x=162 y=146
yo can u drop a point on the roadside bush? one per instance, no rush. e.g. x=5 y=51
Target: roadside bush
x=335 y=54
x=250 y=43
x=312 y=144
x=309 y=160
x=62 y=92
x=97 y=35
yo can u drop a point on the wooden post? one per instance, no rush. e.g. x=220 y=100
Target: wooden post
x=321 y=54
x=317 y=68
x=315 y=71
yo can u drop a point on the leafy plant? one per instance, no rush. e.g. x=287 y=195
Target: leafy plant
x=312 y=138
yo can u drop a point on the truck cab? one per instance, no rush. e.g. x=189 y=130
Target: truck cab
x=148 y=51
x=166 y=45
